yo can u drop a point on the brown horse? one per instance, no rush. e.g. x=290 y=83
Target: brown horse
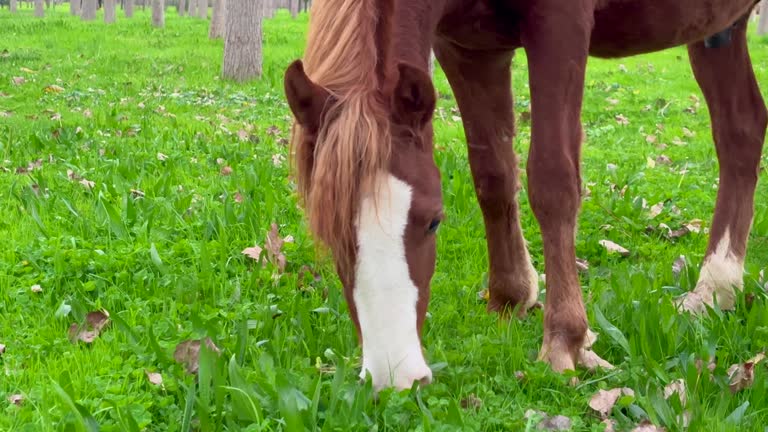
x=363 y=150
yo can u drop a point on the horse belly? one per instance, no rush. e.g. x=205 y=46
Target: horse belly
x=629 y=27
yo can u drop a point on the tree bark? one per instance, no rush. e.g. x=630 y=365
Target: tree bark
x=182 y=7
x=109 y=11
x=294 y=7
x=219 y=20
x=13 y=6
x=243 y=39
x=192 y=8
x=74 y=7
x=88 y=11
x=762 y=24
x=39 y=9
x=202 y=9
x=158 y=13
x=432 y=64
x=128 y=5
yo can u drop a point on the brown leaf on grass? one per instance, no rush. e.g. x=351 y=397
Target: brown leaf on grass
x=610 y=425
x=688 y=133
x=656 y=210
x=273 y=130
x=651 y=139
x=679 y=265
x=73 y=175
x=548 y=422
x=2 y=349
x=711 y=365
x=694 y=226
x=90 y=330
x=16 y=399
x=582 y=265
x=252 y=252
x=162 y=156
x=471 y=402
x=676 y=234
x=604 y=400
x=243 y=135
x=5 y=114
x=663 y=160
x=612 y=247
x=742 y=375
x=646 y=426
x=154 y=378
x=36 y=288
x=137 y=193
x=274 y=247
x=622 y=120
x=87 y=183
x=188 y=353
x=677 y=386
x=238 y=197
x=53 y=88
x=18 y=80
x=227 y=170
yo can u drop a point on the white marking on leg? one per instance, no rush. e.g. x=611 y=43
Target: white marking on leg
x=384 y=294
x=721 y=272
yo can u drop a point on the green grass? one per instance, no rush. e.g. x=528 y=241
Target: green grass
x=168 y=266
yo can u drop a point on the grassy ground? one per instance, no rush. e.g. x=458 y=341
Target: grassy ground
x=188 y=170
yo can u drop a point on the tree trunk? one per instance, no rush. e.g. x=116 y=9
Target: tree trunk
x=762 y=25
x=88 y=12
x=128 y=5
x=12 y=6
x=242 y=40
x=158 y=13
x=74 y=7
x=192 y=8
x=39 y=9
x=109 y=11
x=182 y=7
x=202 y=9
x=294 y=7
x=218 y=21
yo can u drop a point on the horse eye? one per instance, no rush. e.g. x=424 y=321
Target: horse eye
x=433 y=226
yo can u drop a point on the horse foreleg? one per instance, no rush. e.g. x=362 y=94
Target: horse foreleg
x=482 y=86
x=556 y=37
x=739 y=119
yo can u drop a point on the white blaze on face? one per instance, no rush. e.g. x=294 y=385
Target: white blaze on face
x=384 y=294
x=721 y=274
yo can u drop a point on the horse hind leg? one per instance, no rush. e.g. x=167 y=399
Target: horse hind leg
x=482 y=86
x=739 y=119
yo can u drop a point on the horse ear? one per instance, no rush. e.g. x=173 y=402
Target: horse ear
x=306 y=99
x=414 y=98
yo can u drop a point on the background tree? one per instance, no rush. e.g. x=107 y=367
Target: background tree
x=12 y=6
x=88 y=10
x=202 y=9
x=192 y=8
x=182 y=7
x=242 y=40
x=218 y=20
x=158 y=13
x=74 y=7
x=128 y=7
x=109 y=11
x=39 y=9
x=762 y=24
x=294 y=7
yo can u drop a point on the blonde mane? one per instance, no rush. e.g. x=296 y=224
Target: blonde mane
x=353 y=145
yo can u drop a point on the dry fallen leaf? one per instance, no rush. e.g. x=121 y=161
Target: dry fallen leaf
x=582 y=265
x=53 y=88
x=656 y=210
x=238 y=197
x=16 y=399
x=678 y=265
x=2 y=349
x=188 y=353
x=557 y=422
x=677 y=386
x=154 y=378
x=711 y=365
x=682 y=231
x=87 y=183
x=471 y=402
x=36 y=289
x=610 y=425
x=604 y=400
x=89 y=331
x=227 y=170
x=663 y=160
x=694 y=226
x=688 y=133
x=612 y=247
x=252 y=252
x=742 y=375
x=647 y=426
x=274 y=246
x=622 y=120
x=161 y=156
x=18 y=80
